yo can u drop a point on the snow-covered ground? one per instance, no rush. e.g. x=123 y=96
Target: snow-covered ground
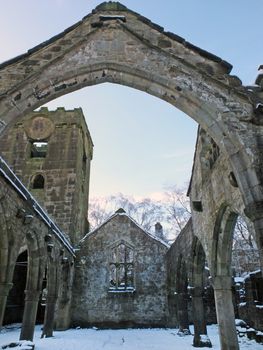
x=125 y=339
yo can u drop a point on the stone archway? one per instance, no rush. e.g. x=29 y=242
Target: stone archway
x=8 y=256
x=197 y=269
x=222 y=276
x=222 y=242
x=15 y=300
x=33 y=289
x=114 y=44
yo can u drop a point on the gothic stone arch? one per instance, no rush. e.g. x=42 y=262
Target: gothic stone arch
x=114 y=44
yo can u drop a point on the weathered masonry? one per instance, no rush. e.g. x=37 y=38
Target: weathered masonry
x=120 y=277
x=114 y=44
x=50 y=151
x=34 y=247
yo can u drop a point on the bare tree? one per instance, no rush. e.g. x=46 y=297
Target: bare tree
x=146 y=211
x=245 y=255
x=99 y=210
x=172 y=211
x=177 y=208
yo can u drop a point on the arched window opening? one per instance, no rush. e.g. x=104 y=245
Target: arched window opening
x=38 y=182
x=84 y=164
x=42 y=301
x=122 y=268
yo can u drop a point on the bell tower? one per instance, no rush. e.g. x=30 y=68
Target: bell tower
x=51 y=151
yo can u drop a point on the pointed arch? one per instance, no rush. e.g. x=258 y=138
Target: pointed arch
x=116 y=45
x=222 y=241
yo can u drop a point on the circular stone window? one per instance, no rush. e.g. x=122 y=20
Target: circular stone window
x=39 y=128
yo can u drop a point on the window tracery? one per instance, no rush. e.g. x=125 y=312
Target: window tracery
x=121 y=268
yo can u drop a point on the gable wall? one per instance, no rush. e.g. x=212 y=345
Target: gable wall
x=93 y=304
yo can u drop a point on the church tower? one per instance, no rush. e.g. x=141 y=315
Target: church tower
x=51 y=151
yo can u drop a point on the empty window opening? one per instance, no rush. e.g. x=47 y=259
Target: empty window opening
x=38 y=182
x=39 y=149
x=122 y=268
x=245 y=253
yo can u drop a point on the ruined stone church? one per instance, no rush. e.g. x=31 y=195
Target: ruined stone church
x=120 y=271
x=52 y=269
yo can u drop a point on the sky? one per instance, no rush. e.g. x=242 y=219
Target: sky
x=141 y=144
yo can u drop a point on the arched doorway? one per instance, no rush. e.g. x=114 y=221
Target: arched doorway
x=200 y=292
x=15 y=300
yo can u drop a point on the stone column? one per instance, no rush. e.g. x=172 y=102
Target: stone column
x=4 y=291
x=200 y=331
x=225 y=312
x=182 y=313
x=63 y=316
x=30 y=313
x=49 y=316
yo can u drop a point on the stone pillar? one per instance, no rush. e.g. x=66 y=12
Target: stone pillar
x=62 y=319
x=172 y=309
x=49 y=316
x=225 y=312
x=30 y=313
x=182 y=313
x=4 y=291
x=200 y=331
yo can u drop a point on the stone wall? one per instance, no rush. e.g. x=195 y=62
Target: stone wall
x=97 y=302
x=32 y=249
x=214 y=193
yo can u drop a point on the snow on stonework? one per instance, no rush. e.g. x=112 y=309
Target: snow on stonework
x=124 y=339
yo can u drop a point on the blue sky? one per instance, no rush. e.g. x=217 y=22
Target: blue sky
x=141 y=143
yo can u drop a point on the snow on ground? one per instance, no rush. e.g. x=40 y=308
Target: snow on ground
x=124 y=339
